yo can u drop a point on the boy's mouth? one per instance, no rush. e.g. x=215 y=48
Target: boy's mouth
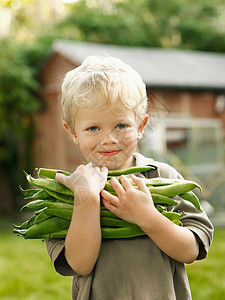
x=109 y=153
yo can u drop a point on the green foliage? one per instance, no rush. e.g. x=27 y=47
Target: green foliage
x=154 y=23
x=18 y=100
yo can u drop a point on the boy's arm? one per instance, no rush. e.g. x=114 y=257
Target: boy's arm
x=136 y=206
x=83 y=240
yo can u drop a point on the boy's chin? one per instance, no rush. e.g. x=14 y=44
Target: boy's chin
x=108 y=163
x=112 y=165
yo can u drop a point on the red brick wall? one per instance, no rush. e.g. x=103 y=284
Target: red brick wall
x=191 y=103
x=54 y=147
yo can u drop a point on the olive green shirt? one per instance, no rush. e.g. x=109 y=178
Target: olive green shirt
x=136 y=268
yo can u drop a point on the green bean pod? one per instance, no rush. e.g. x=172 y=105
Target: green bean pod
x=49 y=184
x=27 y=224
x=61 y=234
x=106 y=213
x=163 y=200
x=39 y=204
x=115 y=222
x=64 y=213
x=173 y=189
x=46 y=227
x=130 y=171
x=41 y=216
x=172 y=215
x=61 y=197
x=121 y=232
x=40 y=195
x=191 y=197
x=28 y=192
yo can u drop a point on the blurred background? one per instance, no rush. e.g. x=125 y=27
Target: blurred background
x=177 y=46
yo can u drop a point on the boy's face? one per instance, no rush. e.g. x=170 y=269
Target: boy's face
x=105 y=138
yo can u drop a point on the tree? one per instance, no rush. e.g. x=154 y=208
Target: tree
x=184 y=24
x=18 y=99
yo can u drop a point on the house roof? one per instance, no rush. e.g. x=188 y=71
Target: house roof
x=159 y=68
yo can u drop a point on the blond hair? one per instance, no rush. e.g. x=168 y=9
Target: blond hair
x=102 y=81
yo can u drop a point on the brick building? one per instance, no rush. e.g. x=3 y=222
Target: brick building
x=180 y=84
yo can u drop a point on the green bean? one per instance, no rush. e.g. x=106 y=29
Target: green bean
x=40 y=194
x=28 y=192
x=130 y=171
x=174 y=189
x=50 y=173
x=121 y=232
x=61 y=197
x=34 y=205
x=115 y=222
x=39 y=204
x=46 y=227
x=25 y=225
x=61 y=234
x=19 y=232
x=42 y=216
x=160 y=208
x=64 y=213
x=108 y=187
x=163 y=200
x=159 y=181
x=172 y=215
x=107 y=213
x=177 y=222
x=49 y=184
x=191 y=197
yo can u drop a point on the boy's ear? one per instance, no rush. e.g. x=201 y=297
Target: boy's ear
x=141 y=127
x=71 y=133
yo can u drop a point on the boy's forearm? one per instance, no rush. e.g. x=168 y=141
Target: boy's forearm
x=83 y=239
x=176 y=241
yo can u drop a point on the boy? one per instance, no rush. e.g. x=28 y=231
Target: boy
x=104 y=106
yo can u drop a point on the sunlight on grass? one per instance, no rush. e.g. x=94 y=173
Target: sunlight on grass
x=26 y=271
x=206 y=277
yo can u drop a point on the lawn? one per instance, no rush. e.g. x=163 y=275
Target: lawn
x=26 y=271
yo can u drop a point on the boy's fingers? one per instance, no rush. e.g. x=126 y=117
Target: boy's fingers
x=117 y=186
x=109 y=198
x=104 y=170
x=110 y=206
x=60 y=178
x=140 y=184
x=125 y=182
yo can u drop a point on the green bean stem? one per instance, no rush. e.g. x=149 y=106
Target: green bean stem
x=50 y=173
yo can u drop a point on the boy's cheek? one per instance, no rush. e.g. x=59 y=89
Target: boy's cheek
x=129 y=139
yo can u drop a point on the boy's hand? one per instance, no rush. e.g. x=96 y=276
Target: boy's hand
x=131 y=204
x=84 y=181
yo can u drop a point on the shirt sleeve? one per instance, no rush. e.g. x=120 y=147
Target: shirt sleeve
x=198 y=222
x=56 y=252
x=195 y=220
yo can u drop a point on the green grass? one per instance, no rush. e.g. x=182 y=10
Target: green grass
x=206 y=277
x=26 y=271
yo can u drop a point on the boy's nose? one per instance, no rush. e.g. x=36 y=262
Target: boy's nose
x=109 y=138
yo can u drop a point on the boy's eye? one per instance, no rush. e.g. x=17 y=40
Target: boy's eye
x=93 y=128
x=121 y=126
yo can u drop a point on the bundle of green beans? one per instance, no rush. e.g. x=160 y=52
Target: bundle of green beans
x=52 y=203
